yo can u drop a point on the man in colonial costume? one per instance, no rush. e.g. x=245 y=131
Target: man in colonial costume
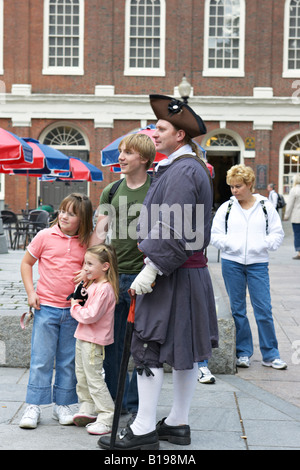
x=175 y=320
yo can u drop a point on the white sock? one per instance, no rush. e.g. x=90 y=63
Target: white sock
x=149 y=390
x=184 y=384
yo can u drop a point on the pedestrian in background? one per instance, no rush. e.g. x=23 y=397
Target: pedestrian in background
x=60 y=252
x=292 y=213
x=245 y=228
x=273 y=196
x=94 y=331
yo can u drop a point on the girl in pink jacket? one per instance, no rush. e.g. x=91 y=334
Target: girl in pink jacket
x=95 y=330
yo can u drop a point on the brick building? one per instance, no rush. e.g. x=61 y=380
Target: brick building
x=77 y=73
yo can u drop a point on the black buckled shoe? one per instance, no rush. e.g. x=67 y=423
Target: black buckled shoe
x=180 y=435
x=128 y=440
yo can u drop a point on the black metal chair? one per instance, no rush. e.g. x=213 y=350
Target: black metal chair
x=37 y=220
x=29 y=227
x=10 y=225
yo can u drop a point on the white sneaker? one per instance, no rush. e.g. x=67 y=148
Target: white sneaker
x=243 y=361
x=205 y=376
x=31 y=417
x=276 y=364
x=63 y=414
x=98 y=428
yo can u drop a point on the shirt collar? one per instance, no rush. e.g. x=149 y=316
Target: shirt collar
x=185 y=149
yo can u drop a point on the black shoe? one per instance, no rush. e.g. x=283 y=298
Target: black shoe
x=180 y=435
x=127 y=440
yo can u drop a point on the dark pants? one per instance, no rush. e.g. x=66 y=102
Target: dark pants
x=113 y=352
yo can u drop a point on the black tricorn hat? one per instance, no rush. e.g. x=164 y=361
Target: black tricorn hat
x=177 y=113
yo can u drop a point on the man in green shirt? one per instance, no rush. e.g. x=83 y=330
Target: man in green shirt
x=137 y=153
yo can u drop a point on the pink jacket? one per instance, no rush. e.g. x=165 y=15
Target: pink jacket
x=96 y=317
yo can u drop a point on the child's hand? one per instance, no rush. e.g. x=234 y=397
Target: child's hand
x=34 y=300
x=74 y=302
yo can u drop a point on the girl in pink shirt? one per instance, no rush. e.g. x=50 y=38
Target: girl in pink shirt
x=95 y=330
x=60 y=252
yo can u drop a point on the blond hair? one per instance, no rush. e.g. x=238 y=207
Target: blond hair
x=142 y=144
x=243 y=174
x=106 y=254
x=82 y=207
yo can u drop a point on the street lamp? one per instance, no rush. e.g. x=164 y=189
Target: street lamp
x=184 y=89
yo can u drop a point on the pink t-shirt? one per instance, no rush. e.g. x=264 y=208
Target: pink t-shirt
x=96 y=317
x=59 y=257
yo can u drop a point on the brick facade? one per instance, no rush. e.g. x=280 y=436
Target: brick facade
x=213 y=97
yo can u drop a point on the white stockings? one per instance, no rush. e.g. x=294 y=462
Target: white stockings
x=184 y=384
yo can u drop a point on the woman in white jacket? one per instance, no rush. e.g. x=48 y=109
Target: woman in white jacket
x=292 y=212
x=244 y=229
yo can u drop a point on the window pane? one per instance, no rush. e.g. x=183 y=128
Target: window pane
x=147 y=15
x=294 y=35
x=224 y=34
x=64 y=31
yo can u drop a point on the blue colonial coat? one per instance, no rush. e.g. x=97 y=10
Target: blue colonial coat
x=174 y=229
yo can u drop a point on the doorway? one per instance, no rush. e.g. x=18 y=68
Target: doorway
x=221 y=161
x=53 y=192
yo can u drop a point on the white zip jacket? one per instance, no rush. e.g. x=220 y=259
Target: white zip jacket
x=246 y=241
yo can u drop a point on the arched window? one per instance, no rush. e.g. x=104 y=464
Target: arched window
x=291 y=161
x=224 y=38
x=145 y=37
x=291 y=53
x=63 y=37
x=68 y=139
x=221 y=140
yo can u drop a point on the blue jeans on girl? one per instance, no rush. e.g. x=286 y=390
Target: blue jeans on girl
x=52 y=343
x=256 y=276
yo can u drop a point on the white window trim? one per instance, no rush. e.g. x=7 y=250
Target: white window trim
x=240 y=72
x=215 y=132
x=286 y=72
x=47 y=70
x=133 y=71
x=1 y=36
x=281 y=162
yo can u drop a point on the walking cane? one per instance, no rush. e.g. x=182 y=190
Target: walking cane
x=123 y=370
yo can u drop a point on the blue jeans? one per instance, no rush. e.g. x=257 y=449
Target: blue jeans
x=256 y=276
x=296 y=230
x=52 y=342
x=203 y=363
x=113 y=352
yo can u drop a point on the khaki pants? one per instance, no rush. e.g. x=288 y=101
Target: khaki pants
x=91 y=388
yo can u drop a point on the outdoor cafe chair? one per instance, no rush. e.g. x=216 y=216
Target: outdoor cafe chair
x=29 y=227
x=10 y=225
